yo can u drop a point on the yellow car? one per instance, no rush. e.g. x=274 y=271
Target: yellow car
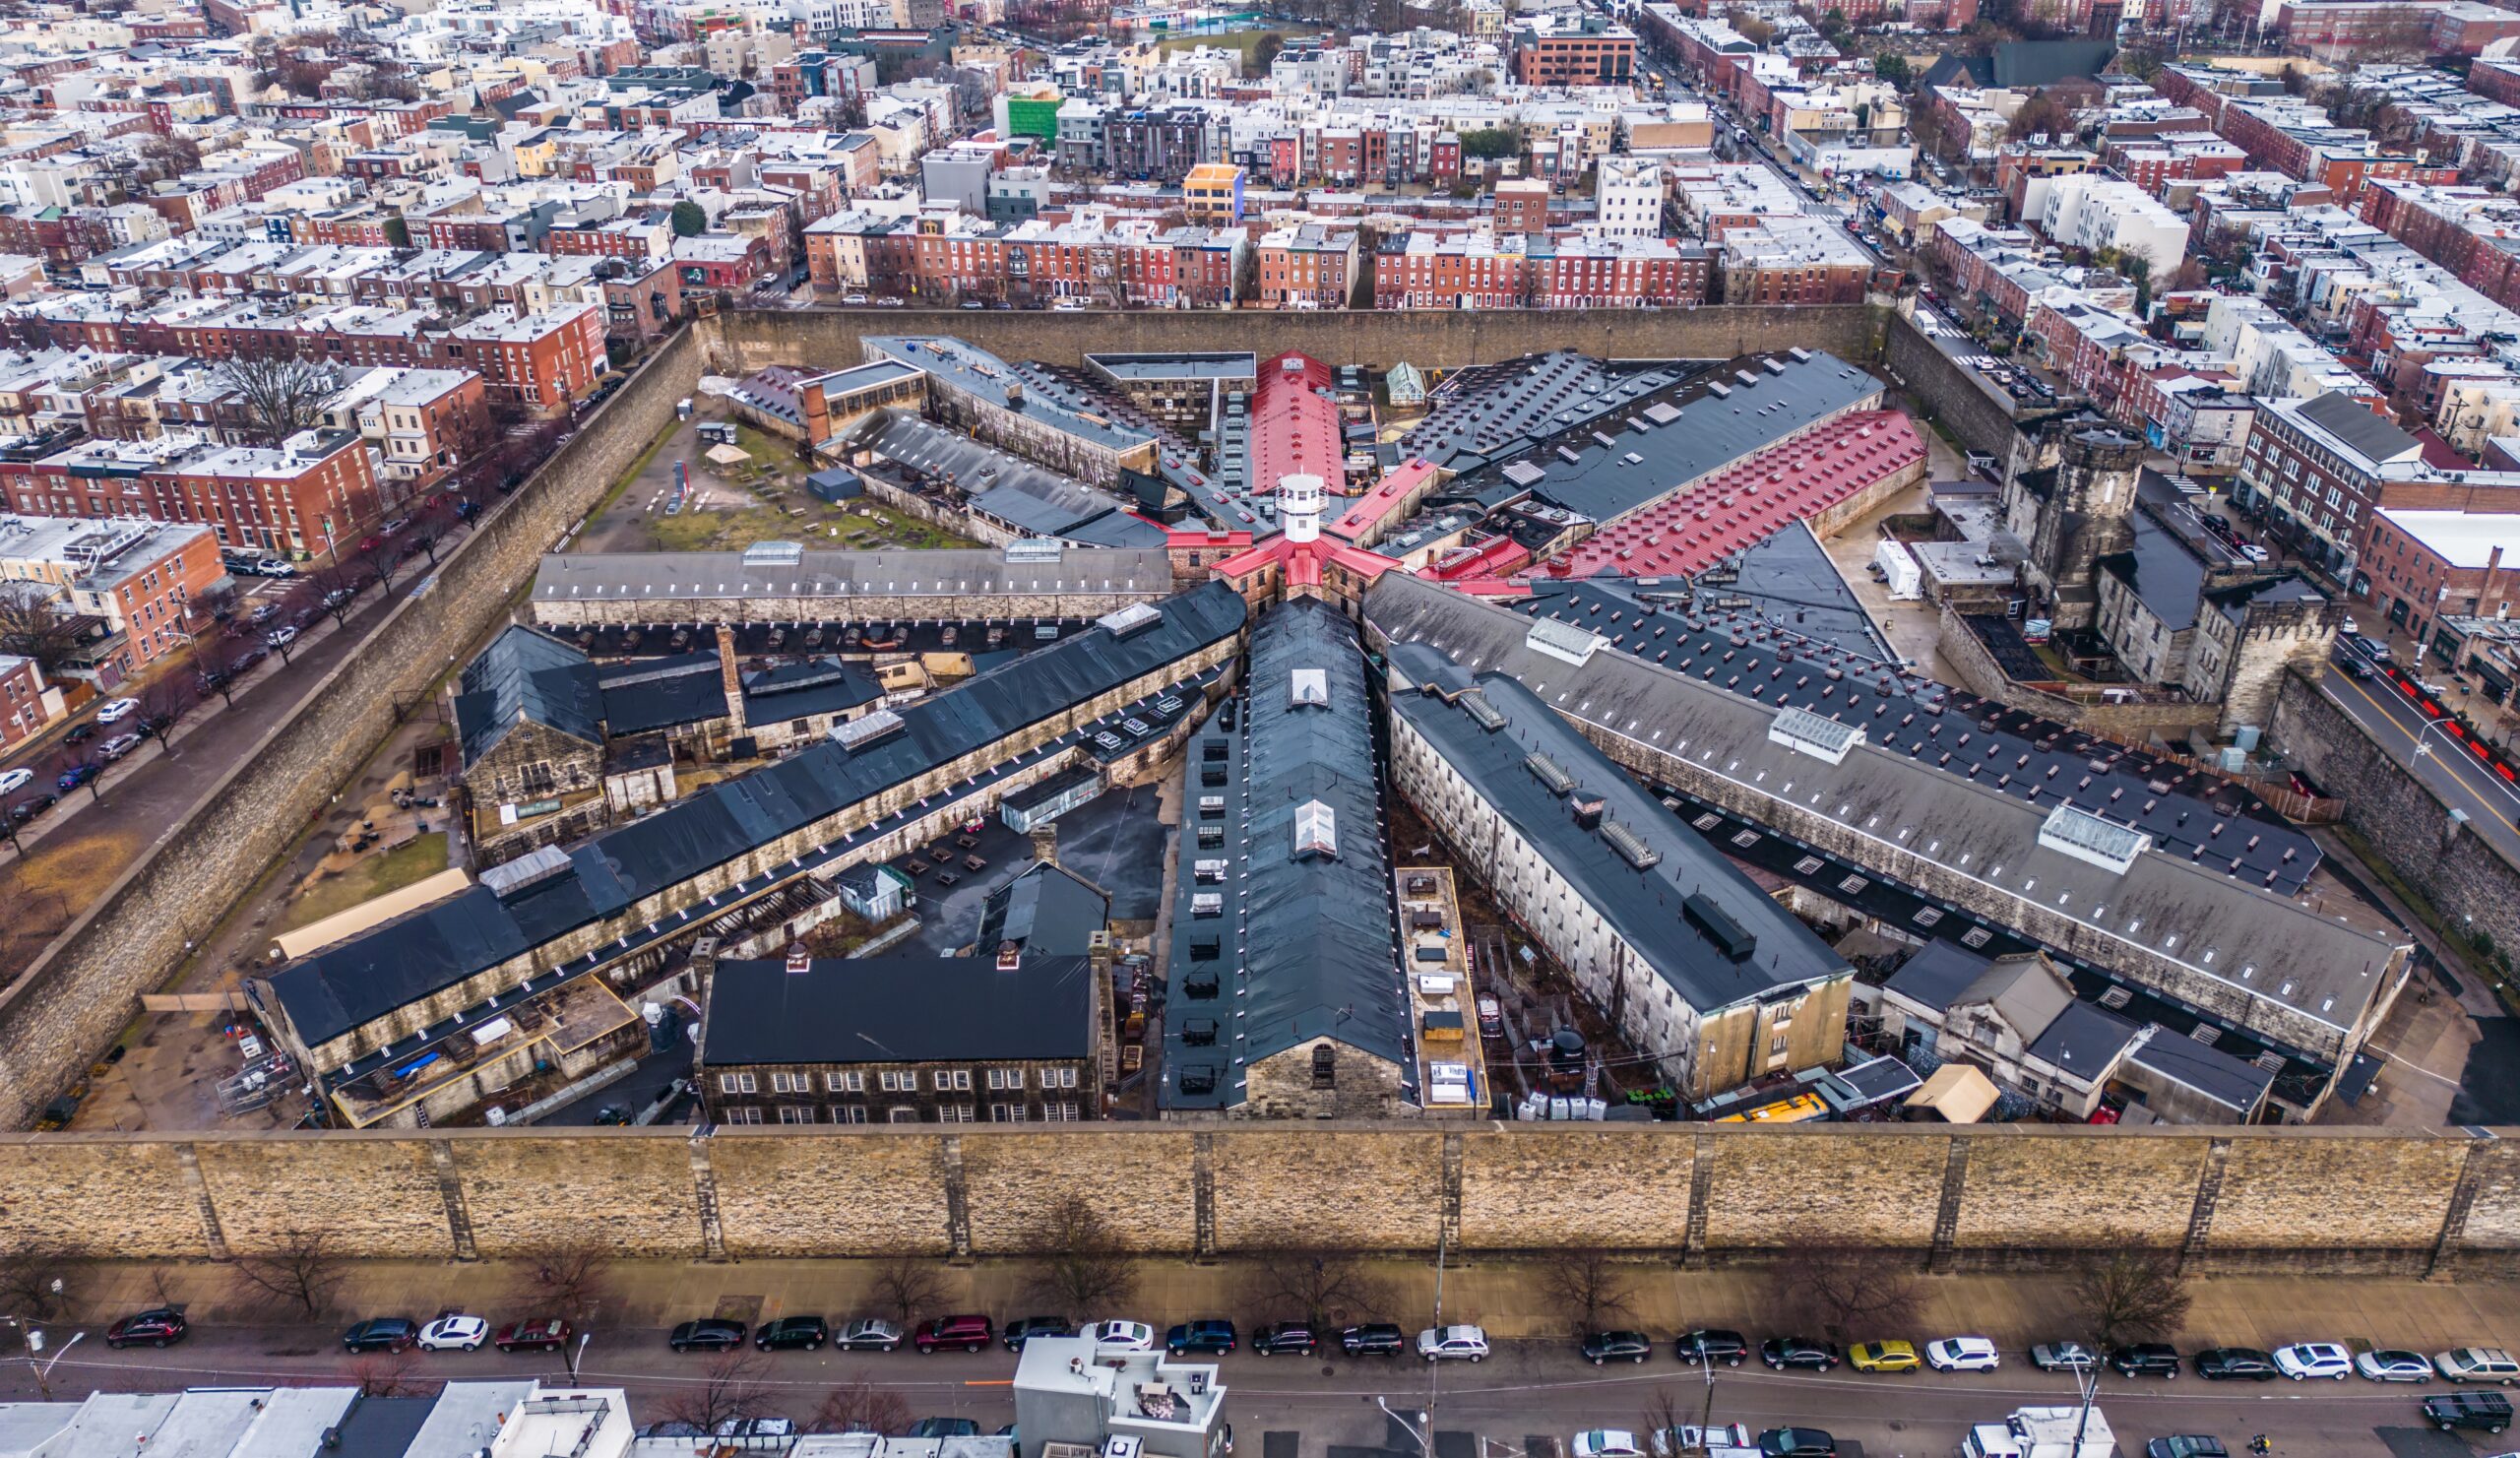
x=1883 y=1357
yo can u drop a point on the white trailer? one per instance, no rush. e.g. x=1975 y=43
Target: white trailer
x=2044 y=1432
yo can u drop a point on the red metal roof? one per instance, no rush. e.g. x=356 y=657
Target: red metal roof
x=1294 y=428
x=1693 y=529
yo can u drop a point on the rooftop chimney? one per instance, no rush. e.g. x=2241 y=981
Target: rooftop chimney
x=817 y=413
x=1010 y=957
x=1046 y=843
x=799 y=961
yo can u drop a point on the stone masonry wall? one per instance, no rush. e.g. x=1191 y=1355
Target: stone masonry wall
x=2403 y=820
x=1440 y=338
x=2352 y=1199
x=87 y=985
x=1963 y=403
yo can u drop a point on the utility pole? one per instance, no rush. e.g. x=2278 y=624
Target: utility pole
x=1442 y=1240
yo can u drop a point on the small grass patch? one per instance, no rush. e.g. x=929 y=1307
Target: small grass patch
x=1245 y=43
x=371 y=878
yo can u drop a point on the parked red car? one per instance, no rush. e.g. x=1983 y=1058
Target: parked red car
x=970 y=1333
x=158 y=1327
x=536 y=1334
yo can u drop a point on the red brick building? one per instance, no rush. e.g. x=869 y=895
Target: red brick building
x=318 y=491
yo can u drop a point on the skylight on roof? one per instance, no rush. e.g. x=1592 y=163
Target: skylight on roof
x=1310 y=686
x=1561 y=641
x=1317 y=829
x=1808 y=734
x=2087 y=837
x=1629 y=845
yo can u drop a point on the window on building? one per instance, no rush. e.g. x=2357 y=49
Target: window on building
x=735 y=1083
x=1006 y=1078
x=901 y=1116
x=851 y=1082
x=792 y=1114
x=1325 y=1066
x=957 y=1079
x=743 y=1114
x=954 y=1114
x=898 y=1083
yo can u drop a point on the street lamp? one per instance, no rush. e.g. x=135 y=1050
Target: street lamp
x=41 y=1369
x=578 y=1356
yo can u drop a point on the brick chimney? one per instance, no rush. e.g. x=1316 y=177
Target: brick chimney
x=799 y=961
x=817 y=412
x=1010 y=957
x=1046 y=843
x=731 y=679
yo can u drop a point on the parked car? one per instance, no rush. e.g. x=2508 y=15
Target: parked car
x=2063 y=1356
x=1714 y=1344
x=1119 y=1336
x=1962 y=1354
x=281 y=636
x=2391 y=1365
x=14 y=780
x=2305 y=1359
x=1213 y=1336
x=1025 y=1328
x=1883 y=1357
x=158 y=1326
x=707 y=1334
x=117 y=746
x=1786 y=1352
x=944 y=1428
x=32 y=805
x=454 y=1334
x=2234 y=1364
x=2145 y=1359
x=381 y=1334
x=1373 y=1339
x=80 y=734
x=969 y=1332
x=2489 y=1411
x=117 y=711
x=1798 y=1442
x=76 y=775
x=1617 y=1346
x=1453 y=1343
x=1295 y=1337
x=2186 y=1445
x=1605 y=1442
x=868 y=1334
x=2477 y=1365
x=805 y=1332
x=533 y=1334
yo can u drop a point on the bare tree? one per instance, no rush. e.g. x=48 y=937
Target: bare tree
x=284 y=394
x=335 y=587
x=2130 y=1293
x=907 y=1286
x=1319 y=1287
x=216 y=659
x=1588 y=1288
x=30 y=629
x=33 y=1285
x=165 y=701
x=1842 y=1291
x=862 y=1407
x=387 y=1375
x=1079 y=1268
x=301 y=1269
x=569 y=1279
x=728 y=1388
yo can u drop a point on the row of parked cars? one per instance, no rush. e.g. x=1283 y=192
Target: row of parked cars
x=971 y=1332
x=2300 y=1362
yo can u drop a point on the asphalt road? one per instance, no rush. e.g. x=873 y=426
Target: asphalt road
x=2447 y=768
x=1528 y=1396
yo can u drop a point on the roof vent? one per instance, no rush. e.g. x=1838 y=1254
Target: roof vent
x=1630 y=847
x=1730 y=936
x=1549 y=773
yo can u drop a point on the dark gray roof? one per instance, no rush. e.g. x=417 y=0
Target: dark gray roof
x=1773 y=660
x=2358 y=426
x=2084 y=1040
x=413 y=957
x=1047 y=909
x=1307 y=943
x=1710 y=432
x=2216 y=1074
x=898 y=1010
x=2193 y=909
x=1010 y=489
x=1937 y=974
x=1644 y=907
x=809 y=686
x=662 y=693
x=1486 y=410
x=526 y=676
x=669 y=578
x=2159 y=570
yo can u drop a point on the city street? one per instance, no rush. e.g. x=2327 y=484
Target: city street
x=2449 y=769
x=1528 y=1396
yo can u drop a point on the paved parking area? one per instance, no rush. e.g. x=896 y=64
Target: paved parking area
x=1118 y=843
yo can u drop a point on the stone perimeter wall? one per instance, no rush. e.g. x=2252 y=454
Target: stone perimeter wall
x=1444 y=339
x=2406 y=822
x=2434 y=1202
x=80 y=991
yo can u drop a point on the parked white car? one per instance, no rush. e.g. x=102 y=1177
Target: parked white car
x=454 y=1334
x=1962 y=1354
x=117 y=710
x=2305 y=1359
x=1605 y=1442
x=1452 y=1344
x=14 y=779
x=1119 y=1336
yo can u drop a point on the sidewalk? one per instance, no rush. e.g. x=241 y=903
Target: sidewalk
x=2016 y=1311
